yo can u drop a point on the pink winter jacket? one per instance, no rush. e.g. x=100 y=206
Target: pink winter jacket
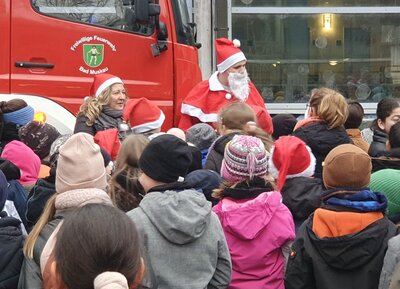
x=255 y=231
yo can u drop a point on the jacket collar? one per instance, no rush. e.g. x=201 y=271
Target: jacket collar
x=214 y=83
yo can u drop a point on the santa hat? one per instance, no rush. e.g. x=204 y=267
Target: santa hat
x=290 y=158
x=143 y=115
x=228 y=53
x=101 y=82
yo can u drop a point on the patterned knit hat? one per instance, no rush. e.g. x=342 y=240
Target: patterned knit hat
x=101 y=82
x=387 y=182
x=228 y=53
x=202 y=135
x=245 y=157
x=39 y=136
x=290 y=158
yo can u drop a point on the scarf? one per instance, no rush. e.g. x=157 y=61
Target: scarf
x=80 y=197
x=108 y=118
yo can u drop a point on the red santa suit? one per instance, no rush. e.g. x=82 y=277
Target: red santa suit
x=205 y=100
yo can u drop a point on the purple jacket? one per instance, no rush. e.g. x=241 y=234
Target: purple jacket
x=255 y=231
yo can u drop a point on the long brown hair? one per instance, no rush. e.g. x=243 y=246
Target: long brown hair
x=94 y=239
x=123 y=183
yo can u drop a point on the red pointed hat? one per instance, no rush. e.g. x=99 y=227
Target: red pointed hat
x=228 y=53
x=101 y=82
x=290 y=158
x=143 y=115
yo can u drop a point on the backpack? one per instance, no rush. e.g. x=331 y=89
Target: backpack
x=11 y=243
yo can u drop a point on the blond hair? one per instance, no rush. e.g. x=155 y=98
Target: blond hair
x=330 y=106
x=45 y=218
x=239 y=116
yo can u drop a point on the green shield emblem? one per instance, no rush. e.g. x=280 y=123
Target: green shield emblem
x=93 y=54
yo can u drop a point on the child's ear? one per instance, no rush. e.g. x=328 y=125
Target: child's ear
x=51 y=276
x=139 y=275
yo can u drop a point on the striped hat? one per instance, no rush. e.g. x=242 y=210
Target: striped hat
x=245 y=157
x=387 y=182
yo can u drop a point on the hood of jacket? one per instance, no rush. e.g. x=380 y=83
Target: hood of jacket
x=25 y=159
x=245 y=219
x=302 y=195
x=180 y=216
x=351 y=251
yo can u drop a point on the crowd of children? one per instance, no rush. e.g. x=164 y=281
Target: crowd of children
x=121 y=204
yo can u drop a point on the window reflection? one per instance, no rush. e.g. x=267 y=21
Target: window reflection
x=290 y=54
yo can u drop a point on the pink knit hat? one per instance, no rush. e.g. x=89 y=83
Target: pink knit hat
x=245 y=157
x=290 y=158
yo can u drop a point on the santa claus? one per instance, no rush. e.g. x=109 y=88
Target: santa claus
x=230 y=83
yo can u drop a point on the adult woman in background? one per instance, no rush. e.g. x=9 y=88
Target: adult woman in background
x=387 y=114
x=104 y=108
x=323 y=129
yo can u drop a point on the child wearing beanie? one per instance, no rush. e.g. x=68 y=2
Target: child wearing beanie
x=202 y=136
x=13 y=114
x=182 y=237
x=39 y=136
x=292 y=165
x=345 y=239
x=80 y=179
x=105 y=256
x=257 y=225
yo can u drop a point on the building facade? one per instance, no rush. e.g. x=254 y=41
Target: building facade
x=294 y=46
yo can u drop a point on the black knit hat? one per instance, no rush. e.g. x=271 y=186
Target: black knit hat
x=166 y=158
x=283 y=125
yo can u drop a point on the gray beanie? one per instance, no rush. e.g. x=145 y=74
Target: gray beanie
x=202 y=135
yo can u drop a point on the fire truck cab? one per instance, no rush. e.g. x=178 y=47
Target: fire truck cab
x=51 y=49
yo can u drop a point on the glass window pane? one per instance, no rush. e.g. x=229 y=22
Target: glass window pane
x=319 y=3
x=288 y=55
x=116 y=14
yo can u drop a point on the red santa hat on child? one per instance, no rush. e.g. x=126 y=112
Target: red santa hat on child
x=228 y=53
x=143 y=115
x=101 y=82
x=290 y=158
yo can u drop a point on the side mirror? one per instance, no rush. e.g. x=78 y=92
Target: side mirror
x=144 y=9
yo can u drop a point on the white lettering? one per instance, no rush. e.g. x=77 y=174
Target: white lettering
x=80 y=41
x=82 y=69
x=91 y=71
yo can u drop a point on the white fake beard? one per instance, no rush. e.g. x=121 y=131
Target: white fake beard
x=239 y=85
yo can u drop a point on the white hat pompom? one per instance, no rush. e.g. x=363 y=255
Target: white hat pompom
x=236 y=42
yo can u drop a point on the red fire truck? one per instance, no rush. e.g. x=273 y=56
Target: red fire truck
x=51 y=49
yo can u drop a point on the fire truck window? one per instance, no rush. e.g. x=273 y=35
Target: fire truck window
x=116 y=14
